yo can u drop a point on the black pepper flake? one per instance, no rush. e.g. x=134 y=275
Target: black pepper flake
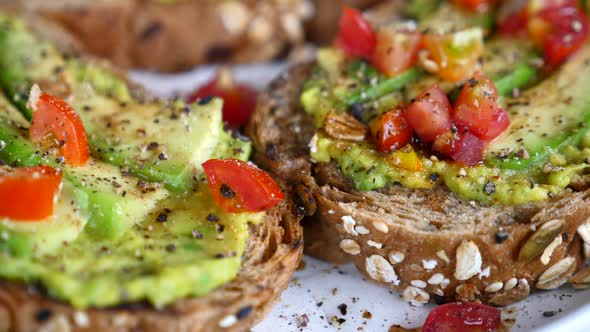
x=226 y=191
x=343 y=309
x=565 y=236
x=236 y=134
x=549 y=313
x=153 y=146
x=42 y=315
x=220 y=228
x=212 y=218
x=357 y=110
x=162 y=217
x=439 y=299
x=244 y=312
x=433 y=177
x=489 y=188
x=205 y=101
x=501 y=236
x=59 y=159
x=197 y=234
x=319 y=304
x=162 y=156
x=170 y=248
x=472 y=82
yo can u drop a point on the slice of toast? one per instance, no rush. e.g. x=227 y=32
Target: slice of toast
x=425 y=243
x=177 y=35
x=273 y=252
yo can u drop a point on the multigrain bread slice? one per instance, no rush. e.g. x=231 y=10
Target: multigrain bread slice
x=175 y=36
x=424 y=243
x=273 y=252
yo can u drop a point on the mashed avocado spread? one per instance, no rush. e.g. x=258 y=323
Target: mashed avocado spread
x=545 y=150
x=138 y=222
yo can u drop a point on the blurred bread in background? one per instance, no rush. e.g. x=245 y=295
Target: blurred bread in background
x=176 y=35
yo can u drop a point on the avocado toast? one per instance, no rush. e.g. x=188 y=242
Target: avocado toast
x=143 y=230
x=489 y=217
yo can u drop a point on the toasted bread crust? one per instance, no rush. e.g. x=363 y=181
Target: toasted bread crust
x=272 y=254
x=176 y=36
x=423 y=242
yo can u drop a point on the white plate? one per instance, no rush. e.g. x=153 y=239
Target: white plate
x=320 y=289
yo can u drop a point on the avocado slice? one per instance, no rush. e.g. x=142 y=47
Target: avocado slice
x=35 y=237
x=158 y=141
x=110 y=200
x=546 y=118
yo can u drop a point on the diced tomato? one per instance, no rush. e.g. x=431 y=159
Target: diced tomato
x=239 y=100
x=462 y=146
x=463 y=317
x=238 y=186
x=558 y=27
x=391 y=131
x=475 y=5
x=568 y=32
x=455 y=54
x=477 y=109
x=356 y=36
x=28 y=193
x=533 y=7
x=396 y=51
x=55 y=122
x=430 y=114
x=514 y=25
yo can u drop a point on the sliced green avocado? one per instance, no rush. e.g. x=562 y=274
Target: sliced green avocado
x=114 y=201
x=191 y=251
x=547 y=118
x=157 y=141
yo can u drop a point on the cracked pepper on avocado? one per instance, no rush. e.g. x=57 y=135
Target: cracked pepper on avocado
x=493 y=108
x=110 y=199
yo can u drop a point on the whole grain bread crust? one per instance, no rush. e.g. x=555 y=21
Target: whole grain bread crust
x=273 y=252
x=425 y=243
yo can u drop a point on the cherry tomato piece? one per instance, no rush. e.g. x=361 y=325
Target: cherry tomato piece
x=356 y=36
x=514 y=25
x=55 y=122
x=535 y=6
x=391 y=131
x=462 y=146
x=463 y=317
x=239 y=100
x=28 y=193
x=430 y=114
x=477 y=109
x=396 y=51
x=456 y=54
x=238 y=186
x=479 y=6
x=568 y=33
